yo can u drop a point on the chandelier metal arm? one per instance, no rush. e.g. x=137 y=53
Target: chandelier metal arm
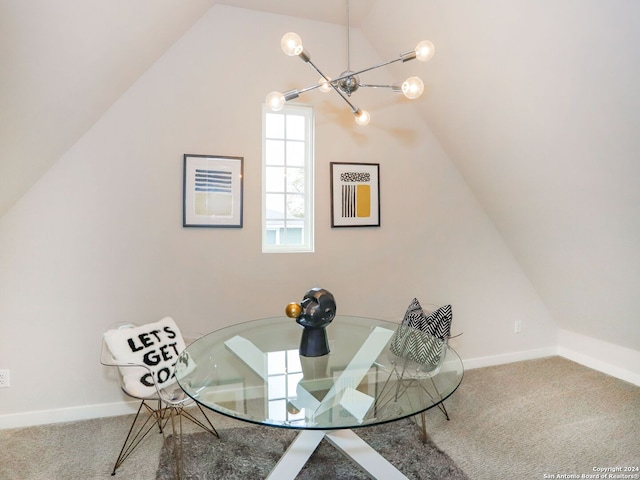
x=383 y=64
x=332 y=83
x=349 y=75
x=395 y=88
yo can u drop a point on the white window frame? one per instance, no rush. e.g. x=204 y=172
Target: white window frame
x=307 y=244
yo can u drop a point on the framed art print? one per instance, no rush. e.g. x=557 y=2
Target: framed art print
x=355 y=194
x=212 y=195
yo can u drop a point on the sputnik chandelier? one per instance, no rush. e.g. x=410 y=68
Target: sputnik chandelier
x=349 y=81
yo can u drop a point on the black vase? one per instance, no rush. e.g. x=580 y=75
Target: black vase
x=314 y=342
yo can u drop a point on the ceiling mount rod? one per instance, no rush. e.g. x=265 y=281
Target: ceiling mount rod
x=348 y=38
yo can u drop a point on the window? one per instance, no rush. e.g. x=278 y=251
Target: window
x=287 y=176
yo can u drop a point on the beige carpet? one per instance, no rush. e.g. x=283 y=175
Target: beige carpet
x=549 y=416
x=516 y=421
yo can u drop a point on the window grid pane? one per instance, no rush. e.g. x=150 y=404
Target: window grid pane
x=274 y=153
x=287 y=191
x=274 y=180
x=295 y=127
x=295 y=153
x=295 y=207
x=274 y=125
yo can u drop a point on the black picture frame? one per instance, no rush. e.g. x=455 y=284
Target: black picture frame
x=355 y=194
x=212 y=191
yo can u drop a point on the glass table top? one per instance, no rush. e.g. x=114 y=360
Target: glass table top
x=253 y=372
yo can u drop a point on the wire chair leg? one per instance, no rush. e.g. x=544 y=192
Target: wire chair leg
x=208 y=427
x=160 y=416
x=169 y=414
x=441 y=406
x=132 y=440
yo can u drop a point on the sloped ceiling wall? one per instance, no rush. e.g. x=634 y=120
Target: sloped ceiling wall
x=537 y=104
x=63 y=63
x=533 y=100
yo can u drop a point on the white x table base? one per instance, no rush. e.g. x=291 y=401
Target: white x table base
x=356 y=449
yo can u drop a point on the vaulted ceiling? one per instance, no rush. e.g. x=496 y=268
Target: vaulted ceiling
x=535 y=102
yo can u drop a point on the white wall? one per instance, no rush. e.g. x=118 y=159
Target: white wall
x=99 y=238
x=536 y=102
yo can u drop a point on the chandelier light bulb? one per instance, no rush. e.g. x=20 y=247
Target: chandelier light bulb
x=425 y=50
x=325 y=86
x=362 y=117
x=291 y=44
x=412 y=88
x=275 y=101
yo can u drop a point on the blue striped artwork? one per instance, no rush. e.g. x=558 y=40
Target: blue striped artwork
x=212 y=181
x=213 y=192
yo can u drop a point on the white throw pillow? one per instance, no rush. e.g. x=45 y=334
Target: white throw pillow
x=155 y=345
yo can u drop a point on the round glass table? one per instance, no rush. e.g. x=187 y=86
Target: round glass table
x=253 y=372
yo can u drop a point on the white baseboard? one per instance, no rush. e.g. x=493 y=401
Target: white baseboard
x=70 y=414
x=493 y=360
x=614 y=360
x=605 y=357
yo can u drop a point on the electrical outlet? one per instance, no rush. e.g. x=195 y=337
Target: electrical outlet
x=518 y=326
x=4 y=378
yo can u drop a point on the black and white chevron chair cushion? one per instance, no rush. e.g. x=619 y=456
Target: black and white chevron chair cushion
x=421 y=337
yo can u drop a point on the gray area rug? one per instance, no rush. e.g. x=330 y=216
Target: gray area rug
x=251 y=452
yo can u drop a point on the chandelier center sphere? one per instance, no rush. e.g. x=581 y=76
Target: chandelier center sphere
x=349 y=84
